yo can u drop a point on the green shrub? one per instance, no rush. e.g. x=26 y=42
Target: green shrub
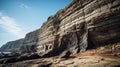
x=56 y=23
x=50 y=17
x=60 y=11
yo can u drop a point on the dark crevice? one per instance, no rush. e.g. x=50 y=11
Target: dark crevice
x=91 y=45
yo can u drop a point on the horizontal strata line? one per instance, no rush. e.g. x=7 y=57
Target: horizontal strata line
x=114 y=19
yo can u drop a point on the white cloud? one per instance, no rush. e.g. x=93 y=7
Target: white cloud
x=22 y=5
x=9 y=24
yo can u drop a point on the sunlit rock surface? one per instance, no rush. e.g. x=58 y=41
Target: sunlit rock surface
x=82 y=25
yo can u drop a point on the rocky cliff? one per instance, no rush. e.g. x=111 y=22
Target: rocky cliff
x=82 y=24
x=12 y=46
x=30 y=42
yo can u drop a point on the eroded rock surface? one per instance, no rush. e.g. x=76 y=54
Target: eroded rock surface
x=84 y=24
x=107 y=56
x=30 y=42
x=81 y=25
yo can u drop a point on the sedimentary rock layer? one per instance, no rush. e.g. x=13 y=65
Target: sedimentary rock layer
x=30 y=41
x=82 y=24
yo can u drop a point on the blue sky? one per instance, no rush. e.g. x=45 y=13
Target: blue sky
x=18 y=17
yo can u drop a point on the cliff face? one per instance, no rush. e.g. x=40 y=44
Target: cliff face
x=81 y=25
x=84 y=24
x=30 y=41
x=12 y=46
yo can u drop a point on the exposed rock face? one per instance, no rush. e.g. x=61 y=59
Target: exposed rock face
x=30 y=41
x=81 y=25
x=84 y=24
x=104 y=28
x=12 y=46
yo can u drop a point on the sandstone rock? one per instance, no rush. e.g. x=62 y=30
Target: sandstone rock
x=82 y=25
x=30 y=42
